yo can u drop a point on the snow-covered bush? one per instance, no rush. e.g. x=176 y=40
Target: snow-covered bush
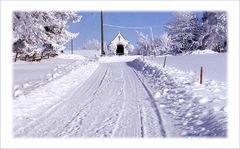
x=112 y=47
x=46 y=29
x=130 y=48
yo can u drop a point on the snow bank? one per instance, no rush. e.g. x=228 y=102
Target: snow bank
x=28 y=75
x=194 y=109
x=72 y=56
x=31 y=75
x=203 y=52
x=27 y=107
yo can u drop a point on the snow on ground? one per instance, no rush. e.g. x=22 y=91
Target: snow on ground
x=30 y=75
x=33 y=71
x=188 y=108
x=40 y=91
x=85 y=53
x=203 y=52
x=214 y=65
x=72 y=57
x=113 y=59
x=122 y=96
x=103 y=106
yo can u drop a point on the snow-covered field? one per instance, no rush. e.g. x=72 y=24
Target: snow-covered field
x=119 y=96
x=27 y=71
x=214 y=65
x=30 y=75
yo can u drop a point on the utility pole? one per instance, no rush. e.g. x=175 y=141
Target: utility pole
x=72 y=46
x=102 y=39
x=152 y=46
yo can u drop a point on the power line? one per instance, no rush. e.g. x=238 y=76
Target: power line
x=132 y=27
x=124 y=27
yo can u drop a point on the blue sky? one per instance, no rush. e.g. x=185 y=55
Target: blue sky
x=89 y=26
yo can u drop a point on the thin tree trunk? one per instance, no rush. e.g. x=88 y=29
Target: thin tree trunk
x=16 y=57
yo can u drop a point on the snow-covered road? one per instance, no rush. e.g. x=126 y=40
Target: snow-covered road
x=113 y=102
x=122 y=97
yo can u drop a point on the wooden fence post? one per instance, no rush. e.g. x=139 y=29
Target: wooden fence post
x=71 y=46
x=201 y=75
x=164 y=63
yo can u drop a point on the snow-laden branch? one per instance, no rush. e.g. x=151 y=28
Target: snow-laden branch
x=42 y=29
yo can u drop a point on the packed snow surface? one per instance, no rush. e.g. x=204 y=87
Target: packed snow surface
x=121 y=96
x=113 y=59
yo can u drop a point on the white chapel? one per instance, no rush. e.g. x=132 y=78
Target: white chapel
x=118 y=45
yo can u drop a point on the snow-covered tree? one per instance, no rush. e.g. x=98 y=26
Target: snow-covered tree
x=130 y=48
x=45 y=29
x=93 y=44
x=215 y=30
x=163 y=44
x=184 y=31
x=112 y=47
x=144 y=44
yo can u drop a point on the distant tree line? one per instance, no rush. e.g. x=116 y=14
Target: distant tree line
x=187 y=33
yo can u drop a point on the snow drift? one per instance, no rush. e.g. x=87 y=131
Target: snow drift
x=191 y=108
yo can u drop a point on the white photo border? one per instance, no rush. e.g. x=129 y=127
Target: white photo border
x=232 y=8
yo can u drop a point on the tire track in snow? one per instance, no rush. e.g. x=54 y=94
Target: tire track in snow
x=122 y=109
x=163 y=132
x=117 y=108
x=79 y=117
x=118 y=120
x=40 y=122
x=141 y=120
x=139 y=107
x=106 y=119
x=101 y=82
x=111 y=124
x=131 y=122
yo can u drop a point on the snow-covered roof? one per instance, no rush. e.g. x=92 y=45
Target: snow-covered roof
x=119 y=39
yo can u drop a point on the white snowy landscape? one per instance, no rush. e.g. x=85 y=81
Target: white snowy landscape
x=118 y=97
x=150 y=89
